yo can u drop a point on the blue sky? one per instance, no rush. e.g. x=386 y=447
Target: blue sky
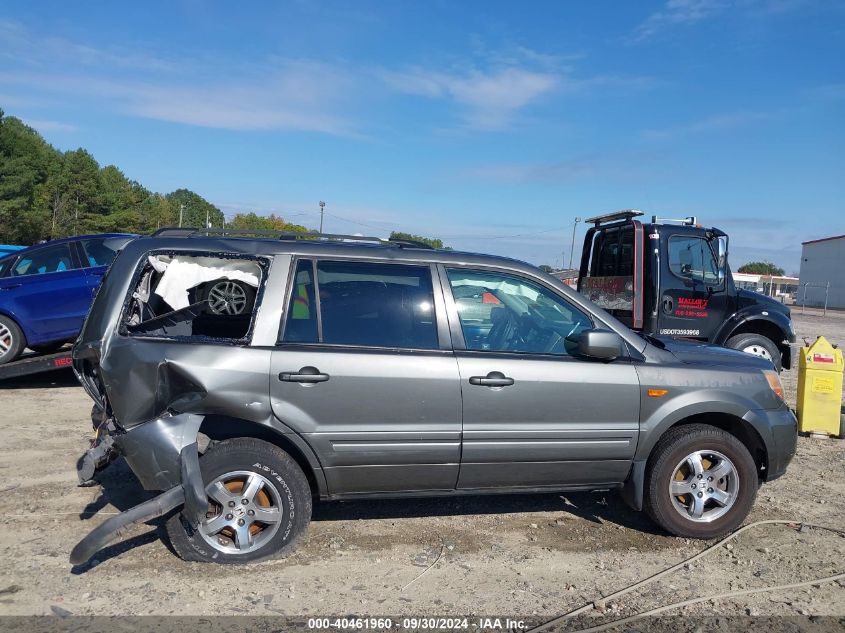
x=489 y=124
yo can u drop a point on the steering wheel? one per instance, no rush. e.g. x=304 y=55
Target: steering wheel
x=505 y=331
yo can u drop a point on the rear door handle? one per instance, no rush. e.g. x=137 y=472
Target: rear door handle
x=10 y=286
x=307 y=375
x=493 y=379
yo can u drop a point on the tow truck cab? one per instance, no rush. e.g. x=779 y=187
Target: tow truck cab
x=672 y=278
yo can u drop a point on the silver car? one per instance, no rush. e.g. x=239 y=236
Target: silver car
x=247 y=377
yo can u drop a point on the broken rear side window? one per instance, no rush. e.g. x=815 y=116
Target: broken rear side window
x=195 y=297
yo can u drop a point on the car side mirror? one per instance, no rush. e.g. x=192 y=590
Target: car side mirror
x=722 y=259
x=600 y=344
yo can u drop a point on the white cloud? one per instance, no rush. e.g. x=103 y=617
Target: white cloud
x=50 y=126
x=617 y=166
x=714 y=123
x=20 y=44
x=274 y=94
x=490 y=99
x=490 y=91
x=677 y=12
x=686 y=12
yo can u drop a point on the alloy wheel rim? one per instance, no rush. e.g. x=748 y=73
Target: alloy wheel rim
x=6 y=340
x=244 y=512
x=227 y=297
x=704 y=486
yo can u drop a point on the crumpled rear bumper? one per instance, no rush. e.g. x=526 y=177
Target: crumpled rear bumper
x=163 y=454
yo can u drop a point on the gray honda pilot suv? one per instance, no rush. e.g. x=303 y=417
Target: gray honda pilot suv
x=247 y=376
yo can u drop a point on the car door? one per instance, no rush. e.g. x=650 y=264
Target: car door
x=365 y=372
x=48 y=293
x=534 y=414
x=693 y=299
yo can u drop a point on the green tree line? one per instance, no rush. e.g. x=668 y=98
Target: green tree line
x=46 y=194
x=761 y=268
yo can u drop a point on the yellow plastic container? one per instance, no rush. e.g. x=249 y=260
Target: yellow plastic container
x=820 y=388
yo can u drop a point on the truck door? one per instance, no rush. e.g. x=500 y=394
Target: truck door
x=612 y=271
x=692 y=297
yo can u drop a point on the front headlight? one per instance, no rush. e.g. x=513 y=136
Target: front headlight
x=773 y=378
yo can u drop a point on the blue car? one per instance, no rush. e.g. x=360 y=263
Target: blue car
x=5 y=249
x=47 y=289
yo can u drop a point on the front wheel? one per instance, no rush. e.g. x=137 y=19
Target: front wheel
x=12 y=341
x=259 y=504
x=701 y=482
x=758 y=345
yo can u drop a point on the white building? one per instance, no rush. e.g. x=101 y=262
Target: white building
x=823 y=272
x=775 y=286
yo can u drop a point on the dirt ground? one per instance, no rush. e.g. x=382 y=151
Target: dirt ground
x=529 y=556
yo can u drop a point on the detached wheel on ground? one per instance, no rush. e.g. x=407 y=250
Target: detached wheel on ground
x=12 y=341
x=758 y=345
x=700 y=482
x=259 y=504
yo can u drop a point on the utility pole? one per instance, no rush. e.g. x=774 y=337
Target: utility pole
x=181 y=208
x=572 y=248
x=207 y=223
x=322 y=206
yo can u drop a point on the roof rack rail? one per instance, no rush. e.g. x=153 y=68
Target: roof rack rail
x=625 y=214
x=411 y=244
x=284 y=235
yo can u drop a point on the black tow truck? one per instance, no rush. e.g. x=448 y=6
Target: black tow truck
x=672 y=278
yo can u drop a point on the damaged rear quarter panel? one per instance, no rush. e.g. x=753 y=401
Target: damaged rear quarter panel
x=147 y=377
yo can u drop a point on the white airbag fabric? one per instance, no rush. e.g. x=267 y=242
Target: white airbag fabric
x=183 y=273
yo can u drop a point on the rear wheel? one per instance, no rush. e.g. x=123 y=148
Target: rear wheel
x=701 y=482
x=259 y=504
x=12 y=341
x=757 y=345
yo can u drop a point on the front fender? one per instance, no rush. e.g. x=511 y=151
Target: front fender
x=669 y=413
x=755 y=314
x=758 y=316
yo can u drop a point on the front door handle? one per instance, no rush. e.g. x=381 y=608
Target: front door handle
x=307 y=375
x=493 y=379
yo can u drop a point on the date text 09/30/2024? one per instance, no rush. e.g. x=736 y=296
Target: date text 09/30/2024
x=416 y=624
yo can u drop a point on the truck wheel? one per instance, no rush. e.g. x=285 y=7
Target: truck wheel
x=758 y=345
x=701 y=482
x=12 y=341
x=259 y=504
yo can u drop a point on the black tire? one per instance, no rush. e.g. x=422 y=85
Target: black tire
x=744 y=342
x=290 y=489
x=671 y=450
x=49 y=348
x=12 y=339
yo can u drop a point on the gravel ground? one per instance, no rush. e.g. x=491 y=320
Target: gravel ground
x=532 y=556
